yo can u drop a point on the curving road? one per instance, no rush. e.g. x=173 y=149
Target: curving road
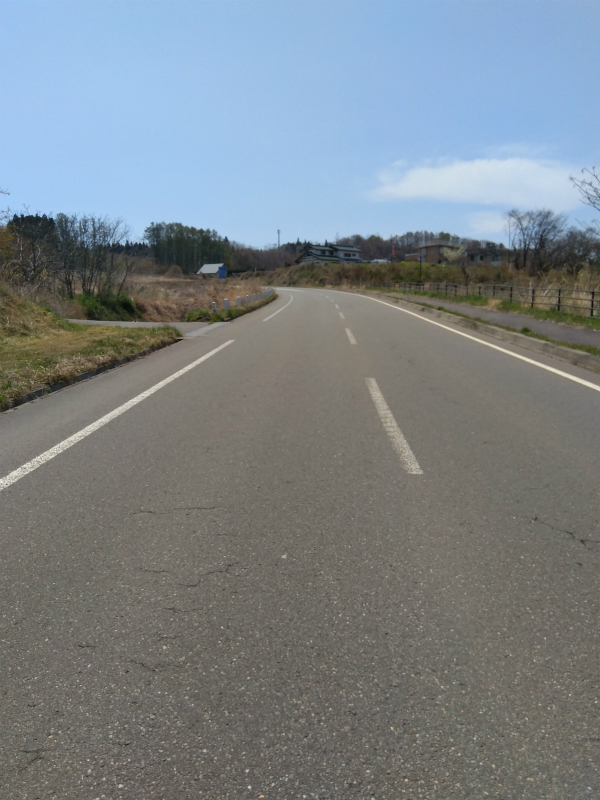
x=331 y=550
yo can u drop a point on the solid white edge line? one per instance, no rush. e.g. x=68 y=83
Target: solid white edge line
x=350 y=336
x=30 y=466
x=562 y=374
x=266 y=319
x=397 y=438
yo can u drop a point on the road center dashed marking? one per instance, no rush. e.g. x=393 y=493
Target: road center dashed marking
x=342 y=316
x=350 y=336
x=399 y=443
x=30 y=466
x=266 y=319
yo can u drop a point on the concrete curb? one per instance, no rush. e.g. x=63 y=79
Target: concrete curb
x=576 y=357
x=84 y=376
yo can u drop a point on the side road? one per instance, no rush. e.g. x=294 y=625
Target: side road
x=185 y=328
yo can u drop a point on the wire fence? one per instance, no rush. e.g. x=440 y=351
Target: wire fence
x=583 y=302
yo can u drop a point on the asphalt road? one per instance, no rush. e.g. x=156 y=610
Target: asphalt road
x=351 y=554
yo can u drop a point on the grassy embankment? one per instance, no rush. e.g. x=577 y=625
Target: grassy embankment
x=39 y=348
x=168 y=298
x=353 y=275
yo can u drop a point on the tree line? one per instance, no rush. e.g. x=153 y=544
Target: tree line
x=540 y=241
x=79 y=253
x=187 y=247
x=94 y=255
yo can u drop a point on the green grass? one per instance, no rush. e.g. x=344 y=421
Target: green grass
x=199 y=315
x=551 y=314
x=471 y=299
x=595 y=351
x=205 y=315
x=109 y=307
x=60 y=352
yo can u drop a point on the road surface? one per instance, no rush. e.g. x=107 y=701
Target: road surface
x=331 y=550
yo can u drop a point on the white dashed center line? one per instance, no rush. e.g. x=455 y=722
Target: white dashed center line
x=350 y=336
x=342 y=316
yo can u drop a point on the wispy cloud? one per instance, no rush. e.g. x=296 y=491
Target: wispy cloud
x=517 y=181
x=521 y=150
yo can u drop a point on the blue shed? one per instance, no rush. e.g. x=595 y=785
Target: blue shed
x=213 y=271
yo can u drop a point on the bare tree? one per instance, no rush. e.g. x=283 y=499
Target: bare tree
x=535 y=236
x=453 y=256
x=589 y=187
x=579 y=250
x=34 y=237
x=67 y=250
x=87 y=253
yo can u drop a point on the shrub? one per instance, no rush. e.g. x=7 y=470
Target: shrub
x=109 y=307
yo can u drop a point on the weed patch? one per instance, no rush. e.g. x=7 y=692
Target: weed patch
x=109 y=307
x=205 y=315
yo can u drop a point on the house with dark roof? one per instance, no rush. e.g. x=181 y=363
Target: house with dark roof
x=329 y=254
x=435 y=252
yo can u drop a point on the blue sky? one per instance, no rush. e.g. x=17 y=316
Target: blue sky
x=319 y=118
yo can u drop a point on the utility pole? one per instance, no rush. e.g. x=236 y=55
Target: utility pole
x=278 y=240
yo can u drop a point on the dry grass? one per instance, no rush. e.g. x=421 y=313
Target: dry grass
x=32 y=362
x=162 y=298
x=38 y=348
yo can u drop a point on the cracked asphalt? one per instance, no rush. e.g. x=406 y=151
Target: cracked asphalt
x=234 y=590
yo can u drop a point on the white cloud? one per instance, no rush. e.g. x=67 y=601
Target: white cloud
x=486 y=223
x=518 y=181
